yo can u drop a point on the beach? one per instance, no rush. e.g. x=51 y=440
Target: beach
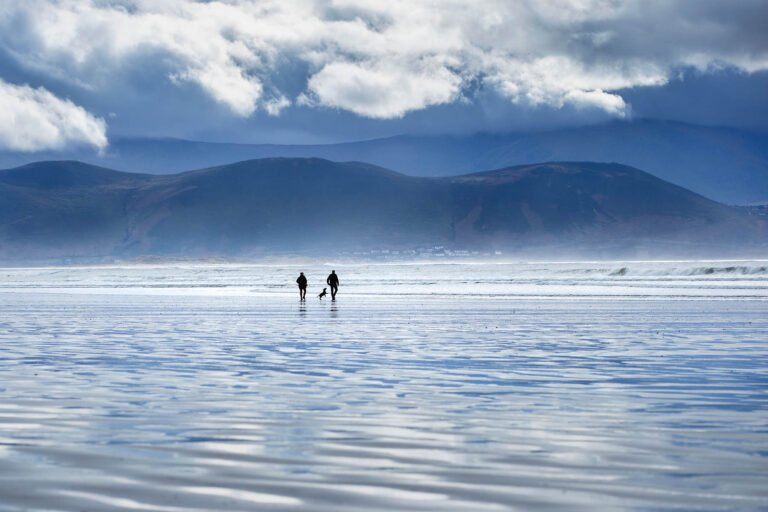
x=424 y=386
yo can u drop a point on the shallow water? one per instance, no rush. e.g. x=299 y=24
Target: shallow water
x=575 y=386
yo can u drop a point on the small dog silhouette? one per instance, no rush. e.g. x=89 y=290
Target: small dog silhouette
x=323 y=293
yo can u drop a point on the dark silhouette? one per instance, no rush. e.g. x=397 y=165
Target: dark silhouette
x=333 y=282
x=138 y=214
x=323 y=293
x=302 y=282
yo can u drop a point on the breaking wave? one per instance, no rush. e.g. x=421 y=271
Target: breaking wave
x=742 y=270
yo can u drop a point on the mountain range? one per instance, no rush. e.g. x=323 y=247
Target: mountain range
x=724 y=164
x=68 y=209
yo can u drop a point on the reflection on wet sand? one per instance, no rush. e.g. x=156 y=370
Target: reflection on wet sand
x=186 y=401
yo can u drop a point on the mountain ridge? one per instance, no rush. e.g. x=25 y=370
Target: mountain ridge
x=285 y=205
x=725 y=164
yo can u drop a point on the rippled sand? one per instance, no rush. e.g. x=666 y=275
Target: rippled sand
x=424 y=387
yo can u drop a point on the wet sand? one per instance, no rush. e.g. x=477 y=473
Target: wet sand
x=429 y=388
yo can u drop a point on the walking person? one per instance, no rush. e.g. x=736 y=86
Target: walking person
x=333 y=282
x=302 y=282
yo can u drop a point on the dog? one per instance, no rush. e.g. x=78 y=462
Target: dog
x=323 y=293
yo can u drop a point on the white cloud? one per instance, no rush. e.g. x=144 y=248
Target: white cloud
x=383 y=90
x=560 y=81
x=276 y=105
x=226 y=84
x=611 y=103
x=34 y=119
x=384 y=59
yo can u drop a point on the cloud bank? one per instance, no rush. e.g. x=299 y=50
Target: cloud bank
x=382 y=60
x=34 y=119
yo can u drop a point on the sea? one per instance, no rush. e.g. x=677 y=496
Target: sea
x=425 y=386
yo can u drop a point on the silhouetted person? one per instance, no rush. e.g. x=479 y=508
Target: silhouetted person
x=302 y=282
x=333 y=282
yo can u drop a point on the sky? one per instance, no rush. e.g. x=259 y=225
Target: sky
x=80 y=72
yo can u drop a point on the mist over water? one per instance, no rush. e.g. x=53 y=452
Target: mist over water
x=452 y=386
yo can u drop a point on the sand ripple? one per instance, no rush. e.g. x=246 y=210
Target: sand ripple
x=176 y=402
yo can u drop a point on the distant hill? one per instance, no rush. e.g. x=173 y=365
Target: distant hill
x=282 y=205
x=62 y=175
x=724 y=164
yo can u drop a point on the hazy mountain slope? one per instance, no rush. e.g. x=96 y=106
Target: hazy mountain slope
x=54 y=206
x=284 y=205
x=295 y=204
x=724 y=164
x=63 y=174
x=417 y=156
x=573 y=199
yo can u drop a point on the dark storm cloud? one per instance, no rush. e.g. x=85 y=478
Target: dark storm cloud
x=720 y=98
x=319 y=69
